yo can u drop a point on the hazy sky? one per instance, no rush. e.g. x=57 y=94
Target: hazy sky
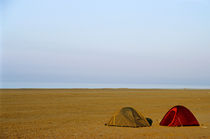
x=59 y=43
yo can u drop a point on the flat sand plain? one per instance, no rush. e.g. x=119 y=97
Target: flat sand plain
x=81 y=113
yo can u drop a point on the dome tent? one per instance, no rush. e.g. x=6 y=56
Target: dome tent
x=179 y=116
x=129 y=117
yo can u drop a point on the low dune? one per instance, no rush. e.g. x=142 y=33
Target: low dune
x=82 y=113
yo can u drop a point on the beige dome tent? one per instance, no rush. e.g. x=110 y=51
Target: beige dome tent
x=128 y=117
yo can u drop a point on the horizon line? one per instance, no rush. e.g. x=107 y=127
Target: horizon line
x=114 y=88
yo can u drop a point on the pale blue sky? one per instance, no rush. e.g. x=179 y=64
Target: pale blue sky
x=109 y=43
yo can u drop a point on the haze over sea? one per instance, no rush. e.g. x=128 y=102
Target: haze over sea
x=85 y=85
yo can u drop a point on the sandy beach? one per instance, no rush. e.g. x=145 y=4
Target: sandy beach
x=82 y=113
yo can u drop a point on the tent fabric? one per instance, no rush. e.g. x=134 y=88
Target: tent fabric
x=128 y=117
x=179 y=116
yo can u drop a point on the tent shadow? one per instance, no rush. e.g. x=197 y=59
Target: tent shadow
x=149 y=120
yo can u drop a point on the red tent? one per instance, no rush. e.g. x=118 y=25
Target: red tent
x=179 y=116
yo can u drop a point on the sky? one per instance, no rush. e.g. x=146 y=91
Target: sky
x=109 y=43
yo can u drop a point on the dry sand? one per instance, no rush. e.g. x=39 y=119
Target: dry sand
x=81 y=113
